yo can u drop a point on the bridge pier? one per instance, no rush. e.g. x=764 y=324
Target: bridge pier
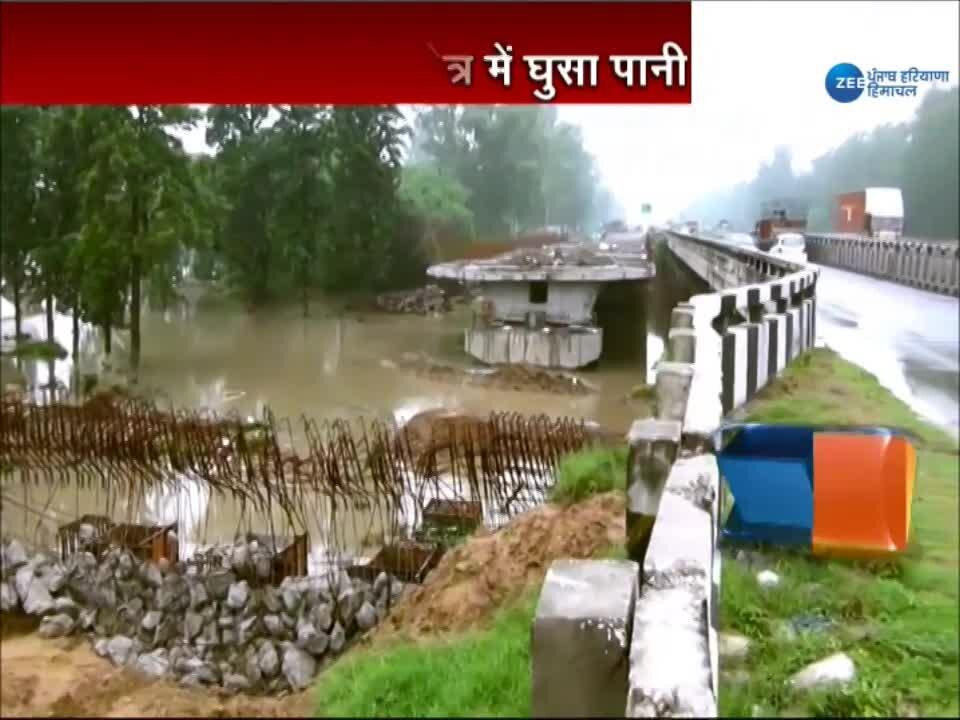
x=541 y=304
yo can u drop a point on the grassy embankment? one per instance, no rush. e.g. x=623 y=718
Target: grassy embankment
x=898 y=621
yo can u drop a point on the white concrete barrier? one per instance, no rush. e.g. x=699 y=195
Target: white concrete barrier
x=724 y=346
x=730 y=343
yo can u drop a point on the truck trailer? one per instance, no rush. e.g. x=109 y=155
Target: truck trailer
x=873 y=212
x=782 y=215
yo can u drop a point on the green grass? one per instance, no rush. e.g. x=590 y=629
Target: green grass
x=590 y=472
x=898 y=620
x=475 y=674
x=40 y=349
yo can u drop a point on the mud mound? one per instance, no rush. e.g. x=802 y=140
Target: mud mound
x=474 y=580
x=63 y=678
x=503 y=377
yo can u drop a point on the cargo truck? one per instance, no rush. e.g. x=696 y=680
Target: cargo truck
x=786 y=215
x=874 y=212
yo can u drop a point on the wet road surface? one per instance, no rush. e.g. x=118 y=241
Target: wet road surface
x=908 y=338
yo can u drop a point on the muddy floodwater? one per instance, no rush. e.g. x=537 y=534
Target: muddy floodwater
x=331 y=365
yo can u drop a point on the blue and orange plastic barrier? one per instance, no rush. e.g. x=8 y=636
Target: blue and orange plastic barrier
x=842 y=491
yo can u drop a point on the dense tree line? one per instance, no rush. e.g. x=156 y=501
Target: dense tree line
x=509 y=169
x=919 y=156
x=103 y=210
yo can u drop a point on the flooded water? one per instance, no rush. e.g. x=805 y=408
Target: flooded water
x=330 y=365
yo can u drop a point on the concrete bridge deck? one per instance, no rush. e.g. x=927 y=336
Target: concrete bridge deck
x=537 y=303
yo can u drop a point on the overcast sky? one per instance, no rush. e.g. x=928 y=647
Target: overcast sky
x=758 y=82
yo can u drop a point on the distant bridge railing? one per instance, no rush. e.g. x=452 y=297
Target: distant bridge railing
x=925 y=265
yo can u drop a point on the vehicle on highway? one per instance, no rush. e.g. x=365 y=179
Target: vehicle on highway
x=790 y=246
x=778 y=216
x=875 y=212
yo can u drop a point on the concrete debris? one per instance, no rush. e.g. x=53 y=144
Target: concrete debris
x=427 y=300
x=53 y=626
x=768 y=579
x=14 y=556
x=733 y=646
x=268 y=659
x=299 y=667
x=837 y=669
x=153 y=664
x=238 y=595
x=235 y=683
x=119 y=649
x=784 y=632
x=8 y=597
x=38 y=600
x=200 y=625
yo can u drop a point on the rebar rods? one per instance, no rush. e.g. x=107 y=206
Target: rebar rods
x=349 y=471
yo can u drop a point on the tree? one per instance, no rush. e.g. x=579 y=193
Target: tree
x=139 y=198
x=18 y=175
x=930 y=167
x=362 y=250
x=299 y=219
x=67 y=136
x=242 y=176
x=569 y=180
x=441 y=203
x=521 y=167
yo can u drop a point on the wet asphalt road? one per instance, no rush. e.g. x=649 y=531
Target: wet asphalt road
x=908 y=338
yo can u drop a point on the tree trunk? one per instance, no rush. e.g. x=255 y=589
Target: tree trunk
x=75 y=344
x=107 y=338
x=138 y=229
x=17 y=311
x=305 y=298
x=135 y=271
x=75 y=331
x=49 y=304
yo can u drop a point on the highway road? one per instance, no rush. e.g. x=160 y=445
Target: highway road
x=908 y=338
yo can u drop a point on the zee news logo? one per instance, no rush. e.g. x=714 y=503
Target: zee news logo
x=846 y=82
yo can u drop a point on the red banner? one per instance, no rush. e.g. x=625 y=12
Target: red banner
x=345 y=53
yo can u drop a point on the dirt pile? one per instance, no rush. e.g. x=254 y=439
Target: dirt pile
x=422 y=301
x=477 y=578
x=506 y=377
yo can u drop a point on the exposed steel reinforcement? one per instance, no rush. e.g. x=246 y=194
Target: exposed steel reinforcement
x=131 y=447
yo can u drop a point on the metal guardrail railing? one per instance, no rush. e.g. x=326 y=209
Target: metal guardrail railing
x=925 y=265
